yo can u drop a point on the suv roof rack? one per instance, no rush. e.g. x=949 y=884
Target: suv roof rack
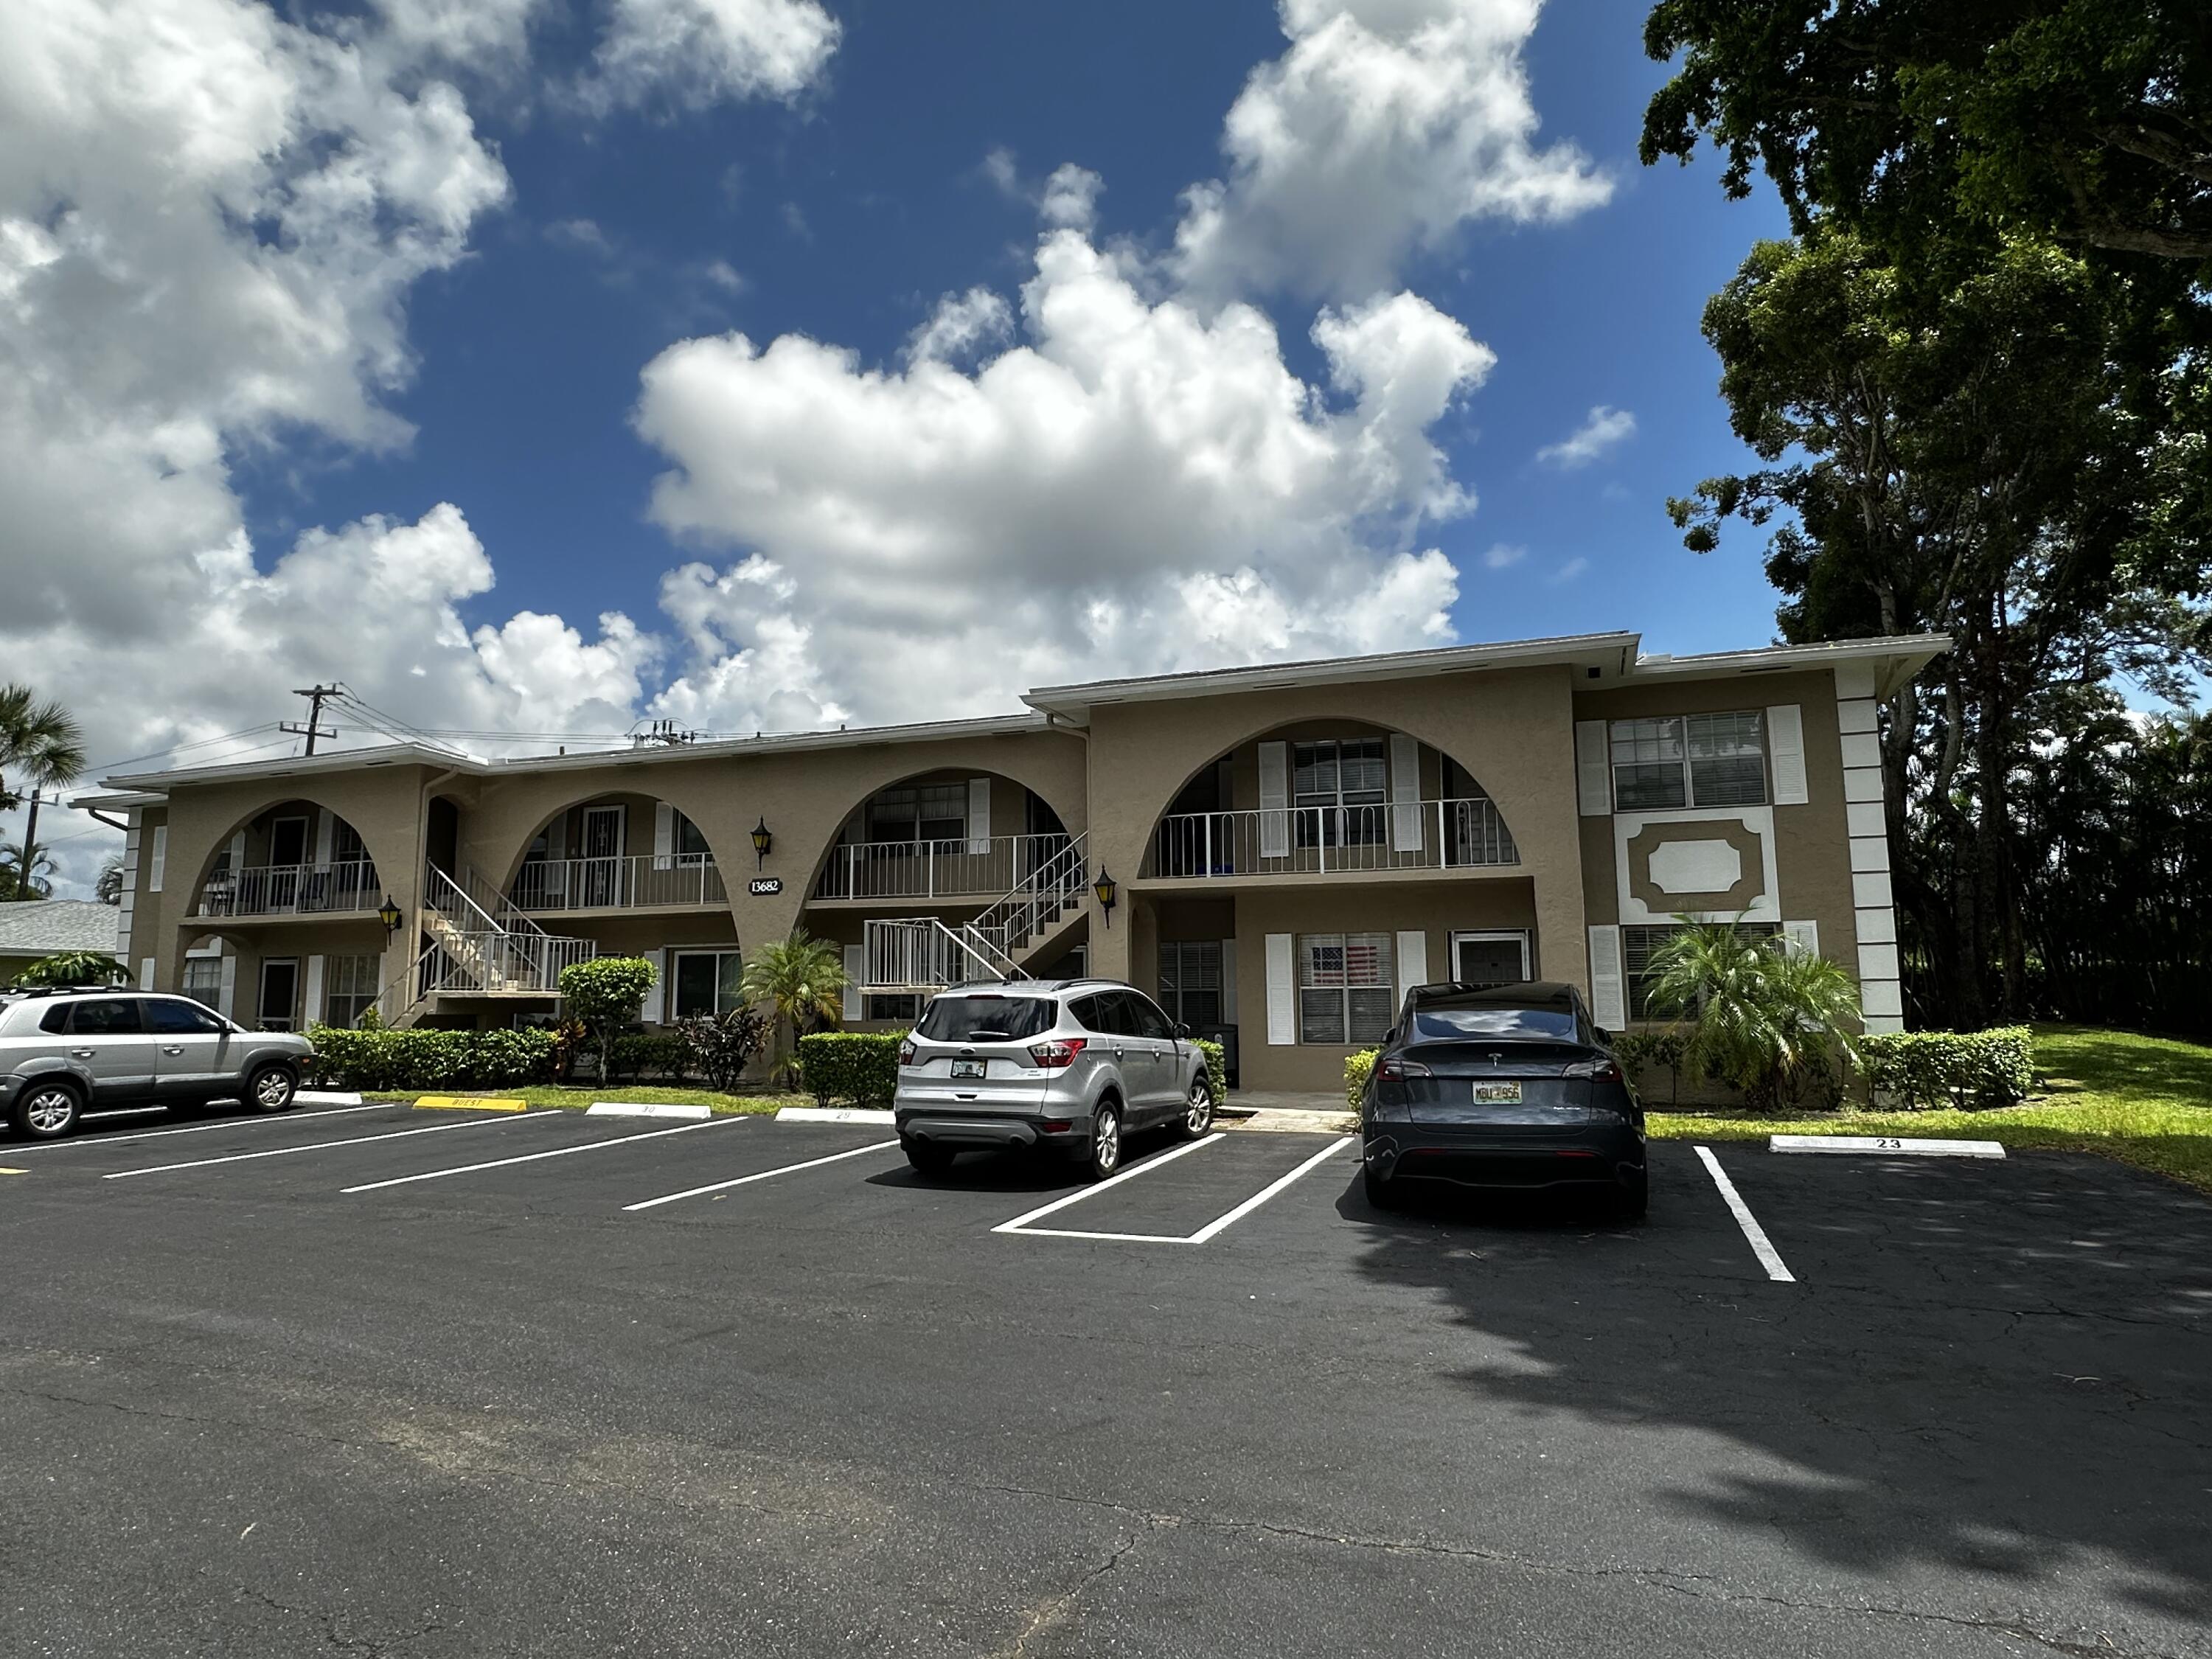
x=27 y=992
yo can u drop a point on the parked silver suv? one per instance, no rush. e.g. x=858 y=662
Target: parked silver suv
x=64 y=1053
x=1070 y=1064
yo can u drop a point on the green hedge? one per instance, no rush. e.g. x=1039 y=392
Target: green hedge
x=636 y=1054
x=861 y=1066
x=1919 y=1070
x=1217 y=1069
x=420 y=1059
x=1355 y=1068
x=1639 y=1052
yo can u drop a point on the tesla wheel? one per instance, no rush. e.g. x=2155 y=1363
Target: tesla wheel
x=1634 y=1200
x=46 y=1110
x=270 y=1089
x=929 y=1158
x=1382 y=1192
x=1105 y=1143
x=1198 y=1110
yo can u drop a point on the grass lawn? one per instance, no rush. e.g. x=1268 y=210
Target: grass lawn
x=582 y=1095
x=2146 y=1101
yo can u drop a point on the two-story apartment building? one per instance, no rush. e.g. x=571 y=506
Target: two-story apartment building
x=1274 y=852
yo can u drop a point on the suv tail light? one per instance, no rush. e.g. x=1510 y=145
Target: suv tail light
x=1394 y=1070
x=1599 y=1071
x=1060 y=1052
x=907 y=1051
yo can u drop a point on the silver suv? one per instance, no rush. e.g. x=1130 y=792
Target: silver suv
x=64 y=1053
x=1070 y=1064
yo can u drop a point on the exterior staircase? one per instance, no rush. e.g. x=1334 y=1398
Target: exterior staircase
x=476 y=950
x=925 y=954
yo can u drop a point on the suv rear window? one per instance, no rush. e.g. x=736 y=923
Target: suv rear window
x=1558 y=1023
x=986 y=1018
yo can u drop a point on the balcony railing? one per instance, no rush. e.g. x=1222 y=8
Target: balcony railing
x=284 y=889
x=640 y=881
x=986 y=866
x=1426 y=834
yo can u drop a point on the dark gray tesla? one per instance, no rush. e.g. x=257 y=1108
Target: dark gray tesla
x=1501 y=1086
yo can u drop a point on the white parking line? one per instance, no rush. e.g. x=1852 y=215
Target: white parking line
x=1020 y=1224
x=1761 y=1246
x=742 y=1181
x=529 y=1158
x=1269 y=1191
x=325 y=1145
x=195 y=1129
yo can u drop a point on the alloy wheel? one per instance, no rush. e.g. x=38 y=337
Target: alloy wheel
x=1106 y=1143
x=1198 y=1118
x=272 y=1090
x=49 y=1111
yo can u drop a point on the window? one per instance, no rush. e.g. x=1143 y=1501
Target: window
x=349 y=989
x=1636 y=945
x=180 y=1018
x=1340 y=787
x=346 y=844
x=691 y=845
x=1345 y=989
x=929 y=811
x=1190 y=981
x=108 y=1016
x=903 y=1005
x=988 y=1018
x=1107 y=1013
x=1692 y=760
x=703 y=983
x=203 y=979
x=1150 y=1021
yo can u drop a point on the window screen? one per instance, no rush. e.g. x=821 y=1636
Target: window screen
x=1190 y=981
x=350 y=988
x=1345 y=992
x=204 y=979
x=1696 y=760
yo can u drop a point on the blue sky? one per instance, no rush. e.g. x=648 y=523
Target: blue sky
x=848 y=215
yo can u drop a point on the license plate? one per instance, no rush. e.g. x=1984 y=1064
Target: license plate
x=974 y=1068
x=1497 y=1094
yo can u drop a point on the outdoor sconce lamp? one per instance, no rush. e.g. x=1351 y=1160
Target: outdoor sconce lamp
x=1104 y=888
x=762 y=842
x=388 y=914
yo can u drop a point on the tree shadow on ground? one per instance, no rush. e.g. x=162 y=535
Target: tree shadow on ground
x=2002 y=1368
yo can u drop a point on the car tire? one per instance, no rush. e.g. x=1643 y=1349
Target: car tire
x=1634 y=1200
x=1382 y=1192
x=1197 y=1108
x=270 y=1088
x=1104 y=1157
x=47 y=1111
x=929 y=1158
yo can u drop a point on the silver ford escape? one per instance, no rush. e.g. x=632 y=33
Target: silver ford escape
x=64 y=1053
x=1068 y=1065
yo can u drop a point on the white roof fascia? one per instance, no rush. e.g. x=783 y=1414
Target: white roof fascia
x=1903 y=655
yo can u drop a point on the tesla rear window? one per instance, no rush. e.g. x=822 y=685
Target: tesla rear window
x=1449 y=1023
x=986 y=1018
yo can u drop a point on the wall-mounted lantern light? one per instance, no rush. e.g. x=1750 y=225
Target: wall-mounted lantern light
x=1105 y=890
x=388 y=914
x=762 y=842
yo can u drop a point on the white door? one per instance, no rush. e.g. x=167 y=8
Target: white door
x=1494 y=957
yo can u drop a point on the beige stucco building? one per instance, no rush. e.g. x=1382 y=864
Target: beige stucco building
x=1289 y=847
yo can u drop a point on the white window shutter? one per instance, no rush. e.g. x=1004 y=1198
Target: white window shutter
x=226 y=995
x=557 y=836
x=145 y=973
x=664 y=835
x=979 y=815
x=1229 y=981
x=856 y=970
x=311 y=1013
x=655 y=1012
x=1786 y=753
x=326 y=827
x=1282 y=993
x=1405 y=794
x=1274 y=816
x=161 y=859
x=1413 y=962
x=1609 y=988
x=1593 y=769
x=1804 y=938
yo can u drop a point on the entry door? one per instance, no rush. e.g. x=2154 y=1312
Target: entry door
x=287 y=851
x=1489 y=958
x=602 y=846
x=279 y=991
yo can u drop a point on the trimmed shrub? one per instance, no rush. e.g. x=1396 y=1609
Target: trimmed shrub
x=636 y=1054
x=861 y=1066
x=1920 y=1070
x=1216 y=1068
x=423 y=1058
x=607 y=993
x=1356 y=1069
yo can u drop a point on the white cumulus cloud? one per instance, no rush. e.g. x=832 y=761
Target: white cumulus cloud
x=1386 y=125
x=1602 y=431
x=700 y=51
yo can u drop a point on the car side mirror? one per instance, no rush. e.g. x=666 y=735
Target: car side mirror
x=1182 y=1029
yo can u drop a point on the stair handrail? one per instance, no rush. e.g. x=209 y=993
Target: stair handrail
x=502 y=908
x=985 y=950
x=1056 y=879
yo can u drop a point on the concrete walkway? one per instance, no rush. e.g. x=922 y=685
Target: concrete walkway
x=1305 y=1112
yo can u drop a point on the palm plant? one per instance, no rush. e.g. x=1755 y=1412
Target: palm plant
x=40 y=744
x=803 y=979
x=1770 y=1019
x=108 y=886
x=15 y=883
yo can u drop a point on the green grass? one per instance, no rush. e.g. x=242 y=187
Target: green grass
x=582 y=1095
x=2143 y=1100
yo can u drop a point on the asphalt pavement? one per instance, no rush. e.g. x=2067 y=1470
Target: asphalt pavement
x=399 y=1382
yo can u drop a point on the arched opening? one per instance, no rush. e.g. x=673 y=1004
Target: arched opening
x=616 y=851
x=946 y=834
x=292 y=858
x=1323 y=796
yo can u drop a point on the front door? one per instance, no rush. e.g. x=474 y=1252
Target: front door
x=602 y=848
x=280 y=993
x=107 y=1038
x=191 y=1050
x=1489 y=958
x=287 y=851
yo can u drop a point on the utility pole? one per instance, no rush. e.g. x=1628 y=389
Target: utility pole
x=314 y=728
x=30 y=847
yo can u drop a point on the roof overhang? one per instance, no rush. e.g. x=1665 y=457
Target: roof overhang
x=1894 y=658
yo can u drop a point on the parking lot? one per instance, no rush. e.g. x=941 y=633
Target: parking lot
x=411 y=1382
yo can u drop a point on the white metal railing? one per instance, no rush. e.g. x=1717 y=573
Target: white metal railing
x=915 y=953
x=934 y=869
x=1047 y=890
x=1427 y=834
x=485 y=963
x=280 y=890
x=637 y=881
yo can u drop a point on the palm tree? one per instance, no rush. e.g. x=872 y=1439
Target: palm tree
x=13 y=883
x=40 y=745
x=1753 y=1010
x=803 y=979
x=108 y=886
